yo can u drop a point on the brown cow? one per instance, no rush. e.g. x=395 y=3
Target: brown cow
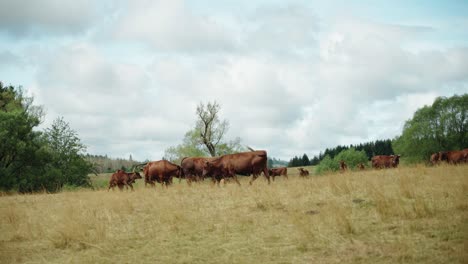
x=384 y=161
x=245 y=163
x=193 y=168
x=121 y=178
x=161 y=171
x=453 y=157
x=361 y=166
x=343 y=166
x=282 y=171
x=435 y=158
x=303 y=172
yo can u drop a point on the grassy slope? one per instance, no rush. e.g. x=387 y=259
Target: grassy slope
x=415 y=215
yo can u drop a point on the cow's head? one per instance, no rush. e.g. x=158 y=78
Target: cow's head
x=443 y=155
x=435 y=158
x=136 y=175
x=396 y=160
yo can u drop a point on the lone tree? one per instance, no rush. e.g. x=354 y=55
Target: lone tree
x=206 y=138
x=212 y=129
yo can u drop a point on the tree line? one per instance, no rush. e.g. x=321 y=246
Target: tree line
x=370 y=149
x=32 y=160
x=105 y=164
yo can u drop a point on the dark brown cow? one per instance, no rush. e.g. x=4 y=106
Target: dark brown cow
x=361 y=166
x=121 y=178
x=343 y=166
x=245 y=163
x=193 y=168
x=384 y=161
x=303 y=172
x=435 y=158
x=453 y=157
x=282 y=171
x=465 y=154
x=162 y=172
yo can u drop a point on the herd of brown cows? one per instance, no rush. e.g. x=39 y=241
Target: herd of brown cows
x=253 y=163
x=451 y=157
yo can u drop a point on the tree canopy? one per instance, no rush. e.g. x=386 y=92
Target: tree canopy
x=206 y=138
x=32 y=160
x=441 y=126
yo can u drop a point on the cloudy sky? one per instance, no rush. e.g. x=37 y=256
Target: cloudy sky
x=292 y=77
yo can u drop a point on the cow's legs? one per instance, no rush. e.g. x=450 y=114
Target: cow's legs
x=237 y=180
x=265 y=172
x=254 y=177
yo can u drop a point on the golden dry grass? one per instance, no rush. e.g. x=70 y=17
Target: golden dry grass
x=405 y=215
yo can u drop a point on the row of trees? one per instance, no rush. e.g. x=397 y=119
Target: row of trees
x=32 y=160
x=440 y=126
x=370 y=149
x=105 y=164
x=300 y=161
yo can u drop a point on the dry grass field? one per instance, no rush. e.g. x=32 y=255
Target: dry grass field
x=406 y=215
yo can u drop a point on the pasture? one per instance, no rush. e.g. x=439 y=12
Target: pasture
x=405 y=215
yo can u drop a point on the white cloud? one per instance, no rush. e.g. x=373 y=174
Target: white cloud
x=287 y=80
x=171 y=26
x=44 y=17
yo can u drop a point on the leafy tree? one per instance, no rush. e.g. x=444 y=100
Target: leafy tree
x=206 y=138
x=190 y=147
x=327 y=164
x=441 y=126
x=212 y=130
x=67 y=154
x=31 y=160
x=21 y=152
x=351 y=157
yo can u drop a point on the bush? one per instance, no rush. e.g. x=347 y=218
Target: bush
x=350 y=156
x=326 y=165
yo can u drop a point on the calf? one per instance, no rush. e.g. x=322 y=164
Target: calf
x=361 y=166
x=343 y=166
x=121 y=178
x=283 y=171
x=303 y=172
